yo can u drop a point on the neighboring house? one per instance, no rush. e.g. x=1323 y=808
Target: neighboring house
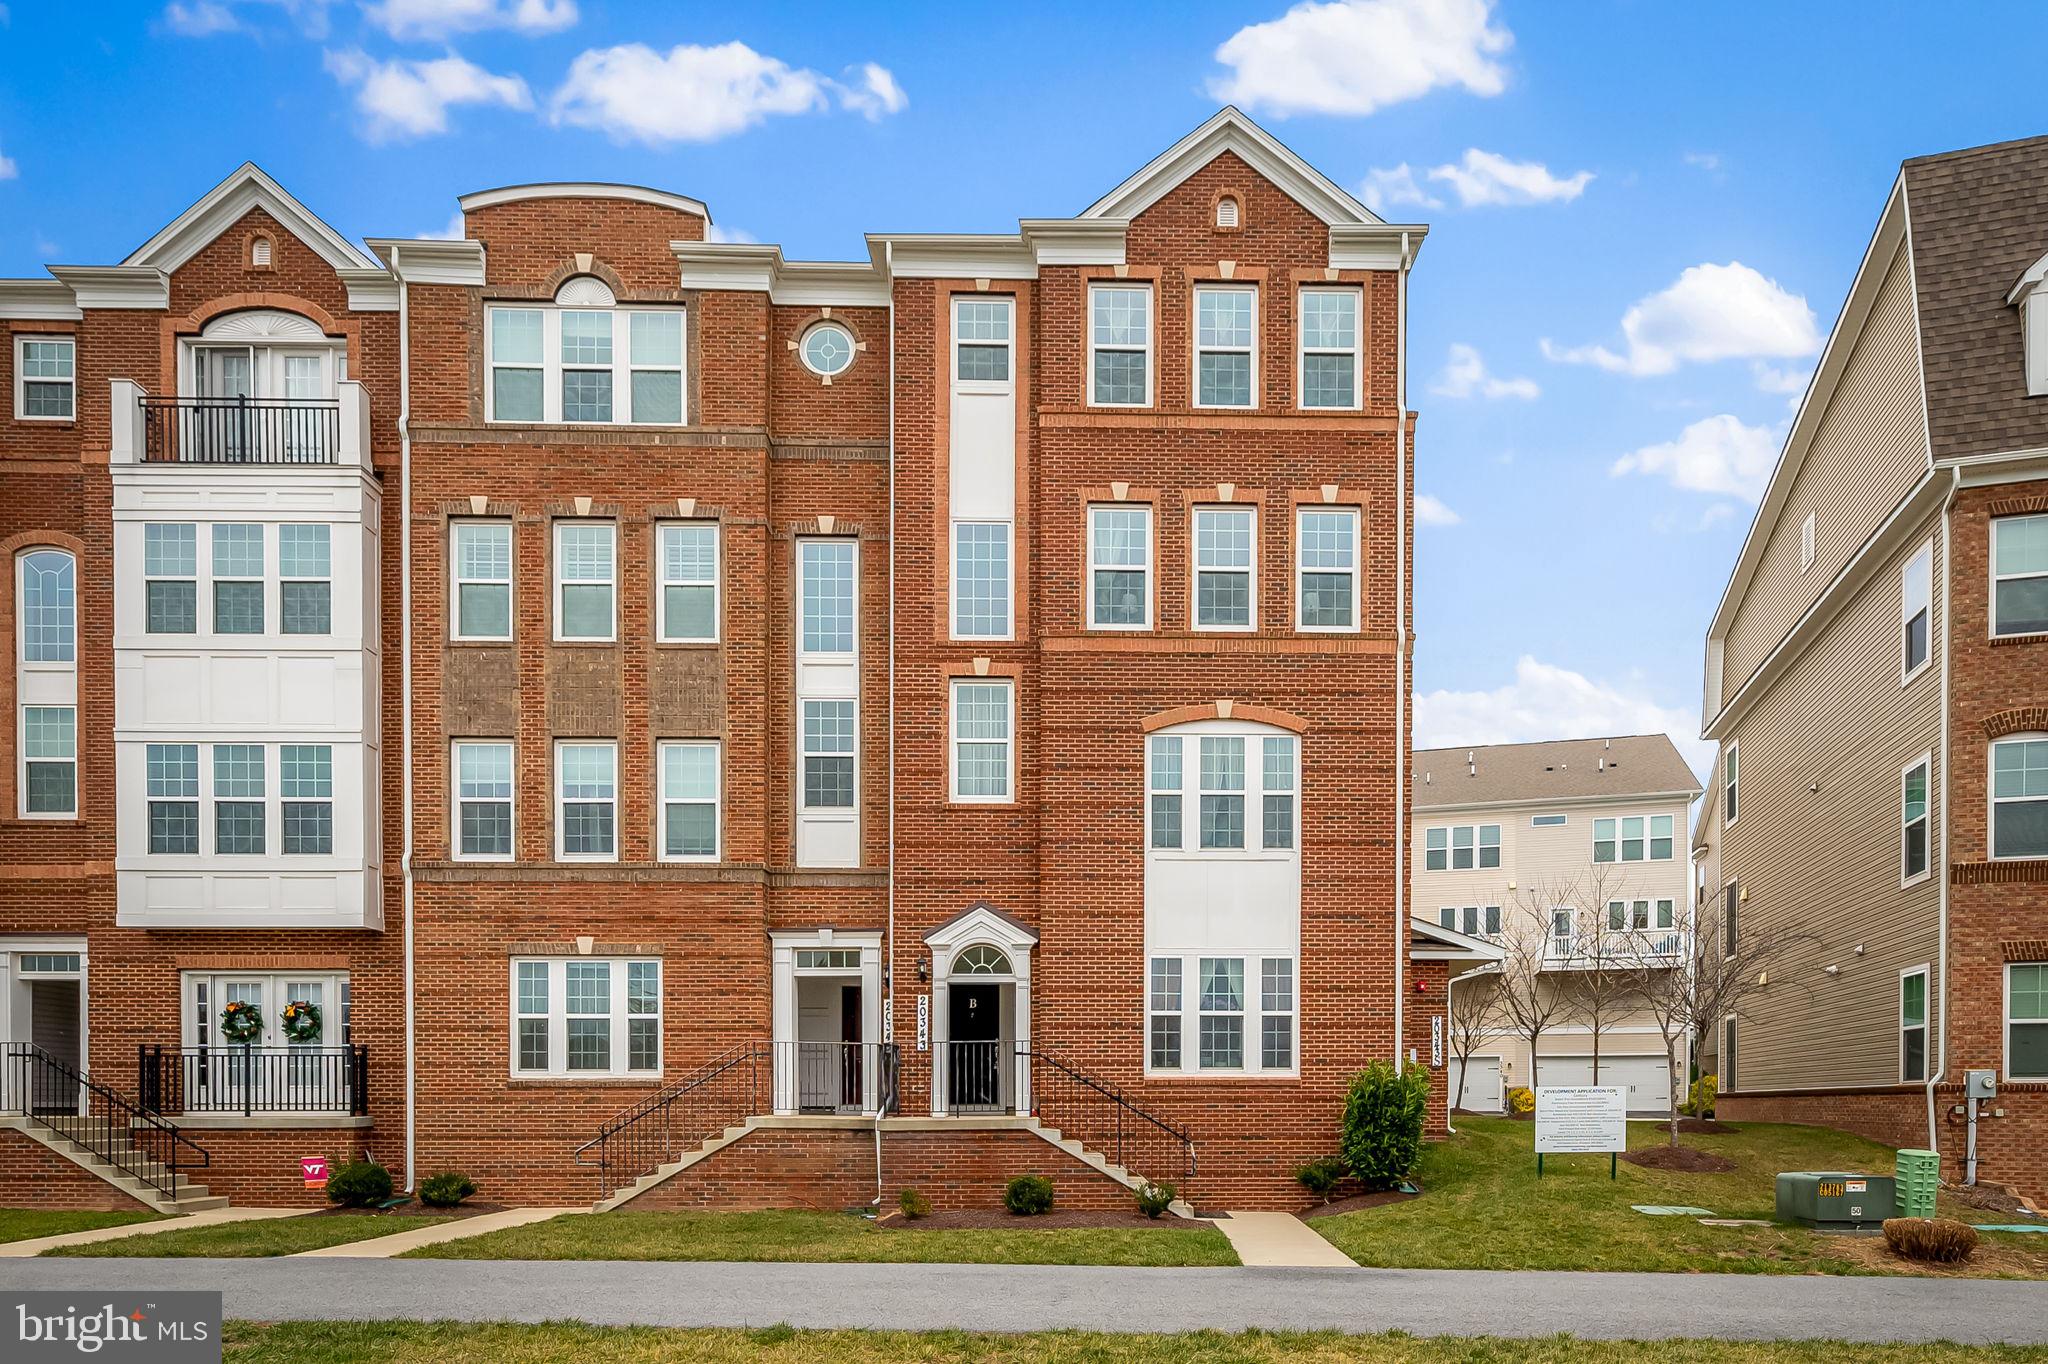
x=1877 y=678
x=1572 y=854
x=630 y=685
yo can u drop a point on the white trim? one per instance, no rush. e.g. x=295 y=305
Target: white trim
x=1229 y=130
x=1926 y=973
x=581 y=189
x=38 y=300
x=1253 y=792
x=561 y=801
x=1301 y=571
x=662 y=583
x=618 y=1019
x=803 y=353
x=2005 y=1030
x=1008 y=579
x=1148 y=349
x=663 y=800
x=1991 y=564
x=1255 y=390
x=1356 y=350
x=1091 y=568
x=954 y=795
x=44 y=684
x=1926 y=760
x=610 y=583
x=1919 y=564
x=1621 y=838
x=21 y=381
x=1196 y=569
x=456 y=800
x=1730 y=786
x=1478 y=827
x=225 y=204
x=622 y=366
x=1992 y=798
x=1007 y=305
x=456 y=581
x=1251 y=1014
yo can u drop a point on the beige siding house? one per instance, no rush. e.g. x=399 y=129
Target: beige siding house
x=1562 y=850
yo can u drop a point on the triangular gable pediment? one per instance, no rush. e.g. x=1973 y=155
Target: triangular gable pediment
x=982 y=920
x=225 y=204
x=1231 y=131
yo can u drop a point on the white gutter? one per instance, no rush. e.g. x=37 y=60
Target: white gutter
x=405 y=682
x=1402 y=757
x=1935 y=1076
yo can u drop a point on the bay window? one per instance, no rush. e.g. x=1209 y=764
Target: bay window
x=238 y=800
x=173 y=790
x=306 y=586
x=170 y=568
x=305 y=785
x=237 y=579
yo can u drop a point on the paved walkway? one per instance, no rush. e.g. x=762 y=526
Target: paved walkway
x=1280 y=1239
x=1038 y=1297
x=384 y=1247
x=14 y=1250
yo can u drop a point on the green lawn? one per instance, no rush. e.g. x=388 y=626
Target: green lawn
x=22 y=1224
x=830 y=1236
x=249 y=1240
x=1486 y=1209
x=441 y=1343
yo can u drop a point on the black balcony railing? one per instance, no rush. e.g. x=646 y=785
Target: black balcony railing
x=249 y=1080
x=241 y=431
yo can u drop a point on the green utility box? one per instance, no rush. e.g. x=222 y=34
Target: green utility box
x=1918 y=1174
x=1835 y=1201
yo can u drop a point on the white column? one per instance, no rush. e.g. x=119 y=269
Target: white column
x=870 y=1026
x=1020 y=962
x=782 y=1028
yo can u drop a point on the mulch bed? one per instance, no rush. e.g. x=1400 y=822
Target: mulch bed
x=1379 y=1198
x=1988 y=1197
x=467 y=1208
x=1707 y=1125
x=981 y=1219
x=1685 y=1159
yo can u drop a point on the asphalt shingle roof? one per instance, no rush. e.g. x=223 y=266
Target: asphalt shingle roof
x=1560 y=769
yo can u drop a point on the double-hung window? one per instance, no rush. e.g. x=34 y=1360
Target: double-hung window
x=1164 y=785
x=1472 y=920
x=981 y=339
x=170 y=570
x=1224 y=581
x=1164 y=999
x=1246 y=792
x=1222 y=790
x=239 y=790
x=689 y=801
x=2019 y=575
x=689 y=583
x=481 y=556
x=1119 y=345
x=586 y=580
x=1461 y=847
x=1326 y=568
x=586 y=366
x=828 y=757
x=1277 y=752
x=1226 y=346
x=172 y=773
x=305 y=787
x=1276 y=1014
x=2019 y=796
x=1241 y=1011
x=591 y=365
x=655 y=363
x=1119 y=568
x=826 y=569
x=1729 y=773
x=306 y=580
x=981 y=580
x=46 y=686
x=982 y=749
x=1633 y=838
x=1913 y=850
x=577 y=1017
x=49 y=761
x=45 y=378
x=1330 y=376
x=2026 y=1021
x=828 y=702
x=237 y=579
x=1222 y=1013
x=518 y=355
x=1916 y=596
x=483 y=799
x=586 y=802
x=1913 y=1025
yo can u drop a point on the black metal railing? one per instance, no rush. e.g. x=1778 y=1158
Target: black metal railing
x=247 y=1080
x=1102 y=1116
x=827 y=1077
x=241 y=430
x=61 y=1098
x=724 y=1091
x=971 y=1078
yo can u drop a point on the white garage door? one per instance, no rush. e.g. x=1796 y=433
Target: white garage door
x=1482 y=1086
x=1648 y=1077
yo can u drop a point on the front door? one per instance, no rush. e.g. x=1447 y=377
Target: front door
x=53 y=1026
x=850 y=1048
x=974 y=1032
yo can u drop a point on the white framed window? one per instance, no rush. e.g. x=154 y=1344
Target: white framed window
x=1276 y=1014
x=49 y=762
x=239 y=800
x=1913 y=1024
x=49 y=607
x=1326 y=568
x=689 y=583
x=1461 y=847
x=46 y=684
x=1913 y=820
x=1731 y=918
x=827 y=583
x=1221 y=1012
x=1633 y=838
x=586 y=802
x=1120 y=345
x=480 y=595
x=173 y=792
x=981 y=341
x=690 y=785
x=1806 y=543
x=1244 y=789
x=1728 y=1029
x=584 y=365
x=2026 y=1021
x=2019 y=575
x=981 y=580
x=829 y=756
x=238 y=587
x=586 y=580
x=1221 y=792
x=483 y=800
x=585 y=1018
x=305 y=789
x=1331 y=366
x=1916 y=596
x=1119 y=567
x=826 y=349
x=1730 y=771
x=45 y=377
x=1226 y=585
x=170 y=570
x=984 y=718
x=1163 y=1014
x=1546 y=821
x=1471 y=920
x=2019 y=796
x=1164 y=785
x=1226 y=346
x=305 y=570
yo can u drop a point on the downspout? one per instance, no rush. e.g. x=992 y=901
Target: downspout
x=1462 y=975
x=889 y=960
x=1401 y=681
x=1934 y=1077
x=405 y=683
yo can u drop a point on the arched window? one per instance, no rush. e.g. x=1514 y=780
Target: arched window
x=46 y=684
x=981 y=960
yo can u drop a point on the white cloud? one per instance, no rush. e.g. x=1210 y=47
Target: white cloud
x=1465 y=375
x=1355 y=56
x=1710 y=312
x=1488 y=178
x=1430 y=511
x=8 y=170
x=440 y=18
x=1397 y=185
x=1548 y=702
x=715 y=233
x=412 y=98
x=1771 y=379
x=457 y=229
x=1714 y=455
x=1706 y=161
x=201 y=18
x=701 y=94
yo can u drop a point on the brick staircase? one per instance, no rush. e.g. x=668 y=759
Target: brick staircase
x=62 y=1109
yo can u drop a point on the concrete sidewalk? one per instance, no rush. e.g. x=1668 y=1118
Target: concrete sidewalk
x=1279 y=1240
x=1041 y=1297
x=17 y=1250
x=461 y=1228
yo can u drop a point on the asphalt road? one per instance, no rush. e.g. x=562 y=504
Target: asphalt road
x=1037 y=1297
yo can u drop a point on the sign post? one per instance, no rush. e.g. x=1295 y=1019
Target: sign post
x=1582 y=1118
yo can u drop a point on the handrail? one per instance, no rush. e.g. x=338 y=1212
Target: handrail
x=1129 y=1133
x=130 y=1139
x=629 y=1138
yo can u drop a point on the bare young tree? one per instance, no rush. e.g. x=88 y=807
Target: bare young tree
x=1603 y=963
x=1530 y=1002
x=1474 y=1016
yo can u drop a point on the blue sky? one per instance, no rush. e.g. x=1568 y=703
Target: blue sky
x=1644 y=216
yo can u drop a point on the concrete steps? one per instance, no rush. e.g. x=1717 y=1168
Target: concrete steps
x=69 y=1137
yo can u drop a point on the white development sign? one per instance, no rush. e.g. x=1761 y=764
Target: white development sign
x=1581 y=1118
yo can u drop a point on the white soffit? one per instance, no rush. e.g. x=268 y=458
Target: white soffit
x=758 y=267
x=223 y=205
x=39 y=300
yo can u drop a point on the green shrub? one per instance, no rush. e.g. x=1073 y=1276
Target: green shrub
x=1155 y=1199
x=1383 y=1118
x=446 y=1189
x=1319 y=1177
x=1028 y=1195
x=914 y=1204
x=359 y=1184
x=1699 y=1103
x=1934 y=1239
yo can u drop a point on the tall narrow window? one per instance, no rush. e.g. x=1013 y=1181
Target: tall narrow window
x=1222 y=791
x=1660 y=838
x=1222 y=1013
x=237 y=579
x=518 y=350
x=981 y=741
x=238 y=800
x=49 y=761
x=172 y=772
x=1916 y=592
x=586 y=801
x=481 y=558
x=1728 y=1053
x=170 y=569
x=45 y=378
x=2019 y=575
x=47 y=685
x=689 y=802
x=981 y=580
x=2019 y=797
x=1226 y=348
x=306 y=588
x=589 y=1014
x=1120 y=345
x=1326 y=564
x=1329 y=348
x=586 y=583
x=981 y=340
x=586 y=366
x=483 y=800
x=1731 y=905
x=49 y=607
x=1279 y=791
x=1913 y=819
x=1276 y=1013
x=655 y=362
x=689 y=583
x=826 y=580
x=1165 y=1000
x=532 y=993
x=1728 y=783
x=643 y=1015
x=1913 y=1025
x=1224 y=537
x=828 y=755
x=1165 y=788
x=1119 y=568
x=1806 y=543
x=305 y=786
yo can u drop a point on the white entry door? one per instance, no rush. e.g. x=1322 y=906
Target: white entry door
x=1647 y=1078
x=1482 y=1092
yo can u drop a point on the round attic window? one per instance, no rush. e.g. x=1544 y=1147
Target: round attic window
x=827 y=349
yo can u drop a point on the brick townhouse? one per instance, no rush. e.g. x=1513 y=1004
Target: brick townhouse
x=687 y=721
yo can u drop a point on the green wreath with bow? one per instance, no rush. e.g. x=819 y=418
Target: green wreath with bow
x=301 y=1021
x=240 y=1022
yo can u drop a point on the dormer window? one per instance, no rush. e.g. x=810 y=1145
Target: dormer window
x=584 y=360
x=2031 y=298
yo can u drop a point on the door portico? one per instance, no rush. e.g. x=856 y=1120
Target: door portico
x=981 y=1012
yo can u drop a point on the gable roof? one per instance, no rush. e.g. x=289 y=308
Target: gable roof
x=1616 y=767
x=1229 y=130
x=222 y=206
